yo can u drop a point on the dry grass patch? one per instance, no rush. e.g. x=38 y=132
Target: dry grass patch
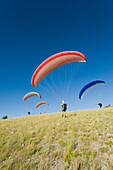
x=83 y=140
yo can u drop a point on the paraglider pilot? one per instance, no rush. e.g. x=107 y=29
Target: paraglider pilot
x=28 y=113
x=64 y=108
x=100 y=104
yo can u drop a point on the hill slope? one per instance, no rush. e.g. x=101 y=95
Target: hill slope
x=83 y=140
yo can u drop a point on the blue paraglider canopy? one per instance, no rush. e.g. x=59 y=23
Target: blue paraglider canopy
x=89 y=85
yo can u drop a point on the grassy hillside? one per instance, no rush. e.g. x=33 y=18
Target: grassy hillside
x=83 y=140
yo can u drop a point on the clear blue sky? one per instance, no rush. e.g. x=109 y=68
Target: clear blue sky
x=31 y=31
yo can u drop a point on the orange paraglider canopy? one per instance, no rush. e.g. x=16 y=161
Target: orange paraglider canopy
x=40 y=103
x=31 y=94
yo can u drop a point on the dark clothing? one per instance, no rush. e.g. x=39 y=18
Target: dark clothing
x=64 y=107
x=28 y=113
x=100 y=104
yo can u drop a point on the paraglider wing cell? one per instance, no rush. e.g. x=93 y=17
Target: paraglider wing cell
x=55 y=61
x=89 y=85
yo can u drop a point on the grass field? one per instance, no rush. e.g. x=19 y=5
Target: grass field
x=83 y=140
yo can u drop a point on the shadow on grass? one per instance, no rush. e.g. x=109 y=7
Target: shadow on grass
x=73 y=115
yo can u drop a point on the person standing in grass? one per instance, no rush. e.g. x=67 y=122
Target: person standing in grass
x=100 y=104
x=28 y=113
x=64 y=108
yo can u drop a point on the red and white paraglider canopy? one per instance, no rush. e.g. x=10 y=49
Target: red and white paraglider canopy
x=55 y=61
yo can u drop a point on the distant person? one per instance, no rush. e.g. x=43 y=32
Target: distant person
x=100 y=104
x=64 y=108
x=28 y=113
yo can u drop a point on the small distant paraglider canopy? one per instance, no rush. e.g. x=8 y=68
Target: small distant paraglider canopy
x=55 y=61
x=100 y=104
x=89 y=85
x=31 y=94
x=40 y=103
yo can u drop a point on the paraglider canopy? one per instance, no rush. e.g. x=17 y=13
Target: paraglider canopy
x=55 y=61
x=89 y=85
x=31 y=94
x=40 y=103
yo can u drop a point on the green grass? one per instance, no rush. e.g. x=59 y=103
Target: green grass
x=82 y=140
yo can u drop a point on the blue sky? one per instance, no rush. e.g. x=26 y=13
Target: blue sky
x=31 y=31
